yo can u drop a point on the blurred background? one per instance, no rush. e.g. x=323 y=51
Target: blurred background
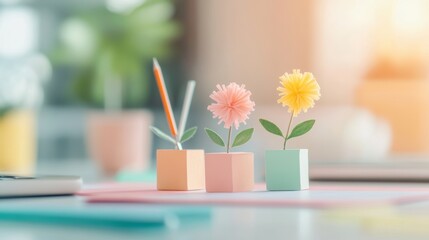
x=77 y=92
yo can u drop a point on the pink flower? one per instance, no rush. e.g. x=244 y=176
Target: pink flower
x=232 y=104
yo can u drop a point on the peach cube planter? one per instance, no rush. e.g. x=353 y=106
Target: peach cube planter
x=229 y=172
x=180 y=170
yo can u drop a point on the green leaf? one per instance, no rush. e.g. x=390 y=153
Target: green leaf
x=215 y=137
x=188 y=134
x=5 y=110
x=162 y=135
x=243 y=137
x=271 y=127
x=301 y=128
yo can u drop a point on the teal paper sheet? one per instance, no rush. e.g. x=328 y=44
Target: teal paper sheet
x=106 y=215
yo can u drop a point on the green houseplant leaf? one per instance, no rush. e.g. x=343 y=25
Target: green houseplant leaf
x=243 y=137
x=162 y=135
x=5 y=110
x=301 y=128
x=271 y=127
x=188 y=134
x=215 y=137
x=117 y=46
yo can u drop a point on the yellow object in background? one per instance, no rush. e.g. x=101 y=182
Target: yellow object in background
x=386 y=220
x=17 y=142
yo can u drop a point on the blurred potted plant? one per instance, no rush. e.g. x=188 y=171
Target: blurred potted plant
x=20 y=92
x=112 y=50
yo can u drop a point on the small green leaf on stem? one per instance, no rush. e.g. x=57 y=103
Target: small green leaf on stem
x=188 y=134
x=162 y=135
x=215 y=137
x=243 y=137
x=301 y=128
x=271 y=127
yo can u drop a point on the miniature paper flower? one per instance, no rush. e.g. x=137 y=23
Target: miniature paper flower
x=298 y=91
x=232 y=104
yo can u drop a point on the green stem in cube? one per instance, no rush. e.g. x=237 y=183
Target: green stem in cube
x=228 y=146
x=287 y=132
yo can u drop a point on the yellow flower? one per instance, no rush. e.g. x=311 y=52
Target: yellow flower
x=298 y=91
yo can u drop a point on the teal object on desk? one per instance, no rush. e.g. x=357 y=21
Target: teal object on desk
x=106 y=215
x=286 y=170
x=148 y=176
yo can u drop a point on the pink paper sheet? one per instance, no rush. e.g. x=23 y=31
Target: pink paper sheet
x=114 y=188
x=324 y=196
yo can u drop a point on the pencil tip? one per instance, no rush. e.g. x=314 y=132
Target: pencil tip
x=155 y=63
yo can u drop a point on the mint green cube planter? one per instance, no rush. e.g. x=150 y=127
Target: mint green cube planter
x=286 y=170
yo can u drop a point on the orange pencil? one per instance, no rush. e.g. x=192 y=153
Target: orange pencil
x=164 y=98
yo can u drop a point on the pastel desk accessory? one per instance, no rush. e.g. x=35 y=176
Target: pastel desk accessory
x=148 y=176
x=106 y=216
x=287 y=169
x=230 y=172
x=318 y=196
x=18 y=142
x=180 y=169
x=387 y=219
x=177 y=169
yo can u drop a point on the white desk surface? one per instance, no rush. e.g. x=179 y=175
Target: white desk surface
x=225 y=223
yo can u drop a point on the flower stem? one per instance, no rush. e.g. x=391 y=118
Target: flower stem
x=229 y=140
x=178 y=146
x=287 y=132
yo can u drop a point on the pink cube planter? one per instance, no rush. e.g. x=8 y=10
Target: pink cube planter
x=180 y=170
x=229 y=172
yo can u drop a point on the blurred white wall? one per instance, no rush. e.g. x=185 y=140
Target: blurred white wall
x=342 y=46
